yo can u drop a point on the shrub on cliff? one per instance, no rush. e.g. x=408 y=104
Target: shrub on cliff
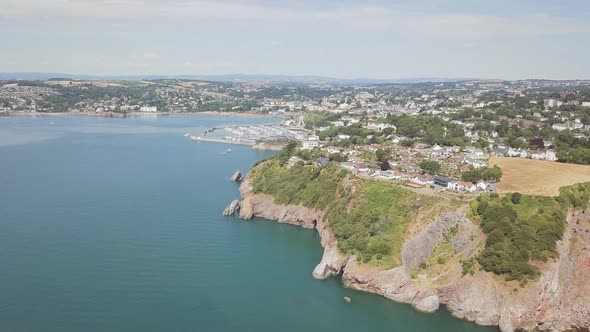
x=306 y=185
x=576 y=196
x=515 y=198
x=521 y=227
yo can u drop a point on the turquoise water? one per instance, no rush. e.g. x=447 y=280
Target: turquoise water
x=115 y=225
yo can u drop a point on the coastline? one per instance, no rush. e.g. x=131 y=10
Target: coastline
x=554 y=302
x=134 y=114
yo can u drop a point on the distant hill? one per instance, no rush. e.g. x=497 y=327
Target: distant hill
x=229 y=78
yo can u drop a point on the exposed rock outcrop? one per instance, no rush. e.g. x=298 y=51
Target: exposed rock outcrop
x=419 y=248
x=232 y=208
x=237 y=176
x=427 y=304
x=559 y=300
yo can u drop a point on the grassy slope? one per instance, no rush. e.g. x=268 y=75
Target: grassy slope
x=369 y=218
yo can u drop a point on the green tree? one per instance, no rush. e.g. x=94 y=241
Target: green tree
x=515 y=198
x=481 y=208
x=430 y=166
x=338 y=157
x=381 y=154
x=407 y=142
x=472 y=176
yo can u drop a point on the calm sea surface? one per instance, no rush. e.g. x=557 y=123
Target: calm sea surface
x=115 y=225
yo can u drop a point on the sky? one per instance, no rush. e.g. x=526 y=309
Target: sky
x=504 y=39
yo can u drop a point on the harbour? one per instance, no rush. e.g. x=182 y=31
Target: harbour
x=265 y=136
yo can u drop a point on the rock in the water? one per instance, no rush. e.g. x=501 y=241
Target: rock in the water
x=237 y=176
x=347 y=299
x=232 y=208
x=427 y=304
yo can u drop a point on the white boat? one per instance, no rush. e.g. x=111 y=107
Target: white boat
x=194 y=138
x=228 y=150
x=187 y=135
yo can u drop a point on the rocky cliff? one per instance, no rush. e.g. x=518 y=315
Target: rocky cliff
x=558 y=300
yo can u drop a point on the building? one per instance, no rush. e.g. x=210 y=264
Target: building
x=422 y=179
x=538 y=155
x=321 y=161
x=476 y=163
x=464 y=186
x=560 y=126
x=550 y=155
x=310 y=142
x=492 y=186
x=378 y=126
x=443 y=181
x=552 y=103
x=293 y=161
x=148 y=109
x=481 y=185
x=361 y=167
x=517 y=153
x=332 y=149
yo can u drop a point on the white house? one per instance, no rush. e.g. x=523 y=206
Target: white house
x=470 y=187
x=453 y=149
x=464 y=186
x=332 y=149
x=310 y=142
x=451 y=184
x=550 y=155
x=148 y=109
x=379 y=126
x=517 y=153
x=476 y=163
x=547 y=155
x=482 y=185
x=552 y=103
x=560 y=126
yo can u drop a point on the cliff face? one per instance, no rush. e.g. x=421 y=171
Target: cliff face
x=263 y=206
x=559 y=300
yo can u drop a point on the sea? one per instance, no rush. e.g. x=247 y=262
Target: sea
x=115 y=225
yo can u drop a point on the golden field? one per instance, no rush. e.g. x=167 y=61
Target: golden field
x=537 y=177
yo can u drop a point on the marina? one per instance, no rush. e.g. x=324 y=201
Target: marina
x=263 y=136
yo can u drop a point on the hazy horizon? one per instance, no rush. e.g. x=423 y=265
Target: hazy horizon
x=338 y=39
x=257 y=76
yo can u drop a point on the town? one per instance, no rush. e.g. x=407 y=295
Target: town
x=439 y=135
